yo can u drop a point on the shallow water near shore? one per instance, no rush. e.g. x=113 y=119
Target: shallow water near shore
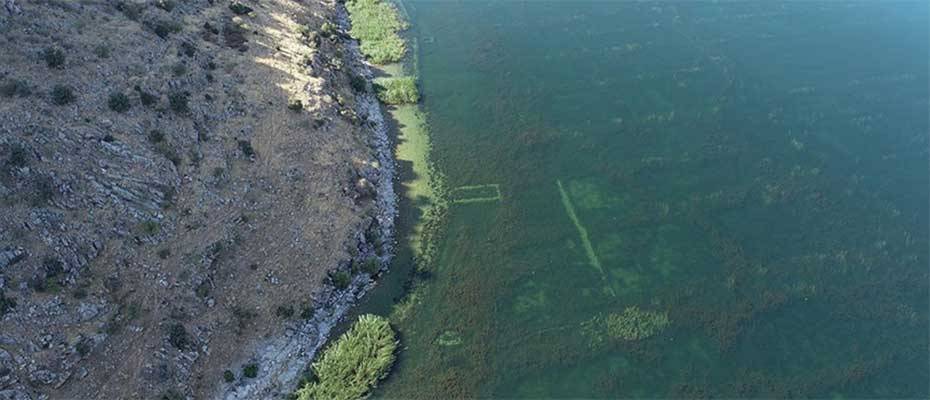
x=755 y=172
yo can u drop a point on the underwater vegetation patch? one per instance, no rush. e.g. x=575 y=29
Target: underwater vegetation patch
x=630 y=325
x=352 y=365
x=449 y=338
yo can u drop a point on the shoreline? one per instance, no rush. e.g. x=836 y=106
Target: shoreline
x=284 y=359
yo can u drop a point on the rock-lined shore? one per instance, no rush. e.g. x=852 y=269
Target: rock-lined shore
x=183 y=187
x=285 y=358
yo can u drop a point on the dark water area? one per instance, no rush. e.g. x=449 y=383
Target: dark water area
x=749 y=178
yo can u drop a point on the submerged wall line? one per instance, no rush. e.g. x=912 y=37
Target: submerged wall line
x=583 y=233
x=466 y=200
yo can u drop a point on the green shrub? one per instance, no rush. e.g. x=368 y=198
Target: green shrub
x=179 y=69
x=245 y=147
x=295 y=105
x=239 y=8
x=250 y=370
x=177 y=336
x=156 y=136
x=229 y=376
x=54 y=58
x=146 y=98
x=164 y=28
x=149 y=227
x=351 y=366
x=340 y=279
x=44 y=190
x=119 y=102
x=307 y=312
x=358 y=83
x=7 y=304
x=166 y=150
x=284 y=312
x=62 y=95
x=376 y=23
x=15 y=87
x=18 y=156
x=102 y=51
x=172 y=394
x=166 y=5
x=82 y=347
x=177 y=101
x=131 y=9
x=401 y=90
x=371 y=266
x=328 y=30
x=188 y=49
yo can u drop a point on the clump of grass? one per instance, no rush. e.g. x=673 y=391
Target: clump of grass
x=54 y=58
x=119 y=102
x=402 y=90
x=352 y=365
x=376 y=23
x=250 y=370
x=62 y=95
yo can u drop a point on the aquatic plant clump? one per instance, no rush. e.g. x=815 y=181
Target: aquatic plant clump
x=376 y=23
x=395 y=91
x=635 y=324
x=352 y=365
x=632 y=324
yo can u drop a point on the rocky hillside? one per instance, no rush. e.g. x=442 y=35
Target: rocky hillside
x=177 y=179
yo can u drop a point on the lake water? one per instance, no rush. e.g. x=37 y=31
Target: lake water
x=755 y=172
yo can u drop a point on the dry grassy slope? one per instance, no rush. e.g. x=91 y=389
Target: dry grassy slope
x=108 y=247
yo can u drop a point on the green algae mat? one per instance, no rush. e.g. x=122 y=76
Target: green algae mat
x=666 y=199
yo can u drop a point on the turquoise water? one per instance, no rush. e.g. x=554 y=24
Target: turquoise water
x=756 y=172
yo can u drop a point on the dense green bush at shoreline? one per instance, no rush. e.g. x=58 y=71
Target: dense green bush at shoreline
x=375 y=23
x=402 y=90
x=351 y=366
